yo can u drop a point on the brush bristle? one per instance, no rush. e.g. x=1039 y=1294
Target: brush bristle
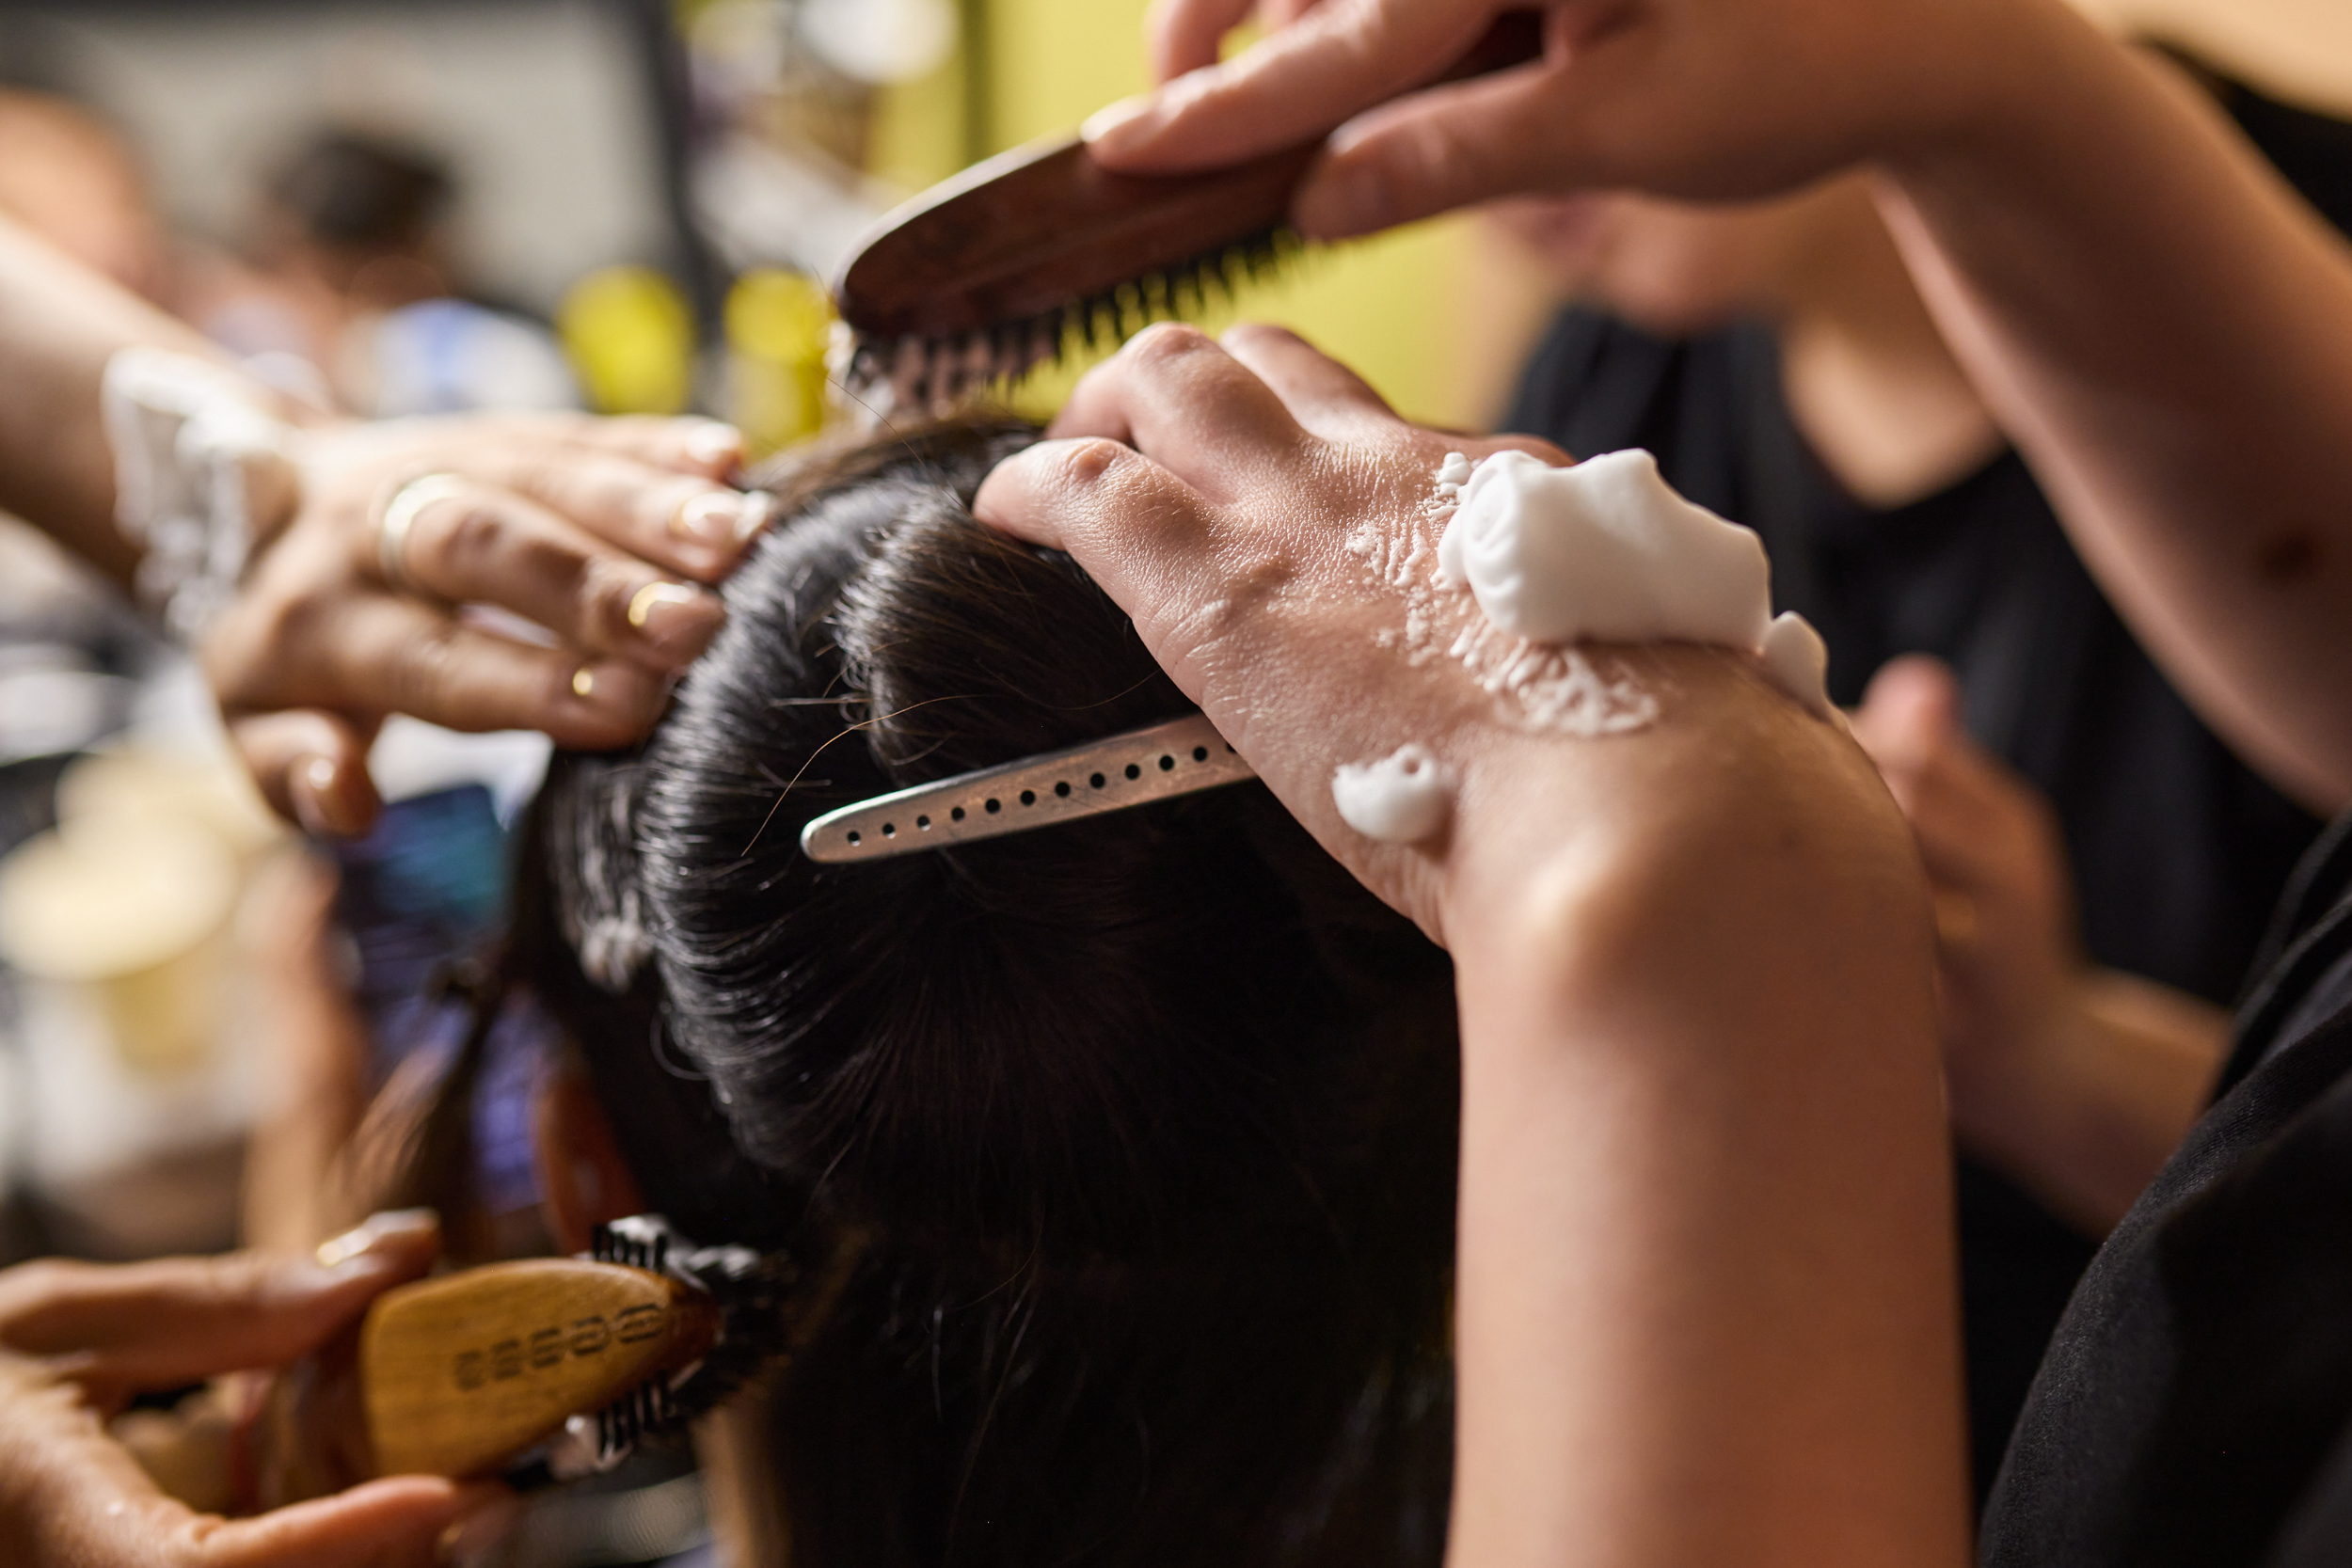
x=750 y=1290
x=929 y=377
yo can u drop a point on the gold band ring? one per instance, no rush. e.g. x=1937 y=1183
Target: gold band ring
x=400 y=516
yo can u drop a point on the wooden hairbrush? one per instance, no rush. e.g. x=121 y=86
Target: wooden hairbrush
x=574 y=1360
x=1017 y=259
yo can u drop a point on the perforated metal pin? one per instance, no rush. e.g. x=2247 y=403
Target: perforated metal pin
x=1111 y=774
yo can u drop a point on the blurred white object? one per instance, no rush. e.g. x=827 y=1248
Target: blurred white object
x=190 y=446
x=126 y=914
x=48 y=704
x=412 y=757
x=881 y=41
x=448 y=357
x=764 y=207
x=137 y=1078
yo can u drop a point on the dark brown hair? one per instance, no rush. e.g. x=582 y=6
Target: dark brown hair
x=1126 y=1144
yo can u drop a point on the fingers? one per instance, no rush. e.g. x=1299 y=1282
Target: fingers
x=1137 y=528
x=1187 y=404
x=693 y=446
x=398 y=656
x=1442 y=148
x=397 y=1523
x=311 y=768
x=119 y=1329
x=1186 y=35
x=480 y=546
x=1337 y=59
x=682 y=523
x=1322 y=394
x=1910 y=712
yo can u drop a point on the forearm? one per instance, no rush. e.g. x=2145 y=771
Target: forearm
x=59 y=324
x=2086 y=1118
x=1705 y=1305
x=2167 y=333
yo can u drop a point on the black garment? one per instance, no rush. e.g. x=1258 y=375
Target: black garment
x=2178 y=850
x=2196 y=1406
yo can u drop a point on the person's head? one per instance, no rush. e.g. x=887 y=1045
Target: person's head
x=1114 y=1157
x=68 y=177
x=361 y=212
x=1679 y=268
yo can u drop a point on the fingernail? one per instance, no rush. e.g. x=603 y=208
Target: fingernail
x=312 y=787
x=474 y=1537
x=667 y=610
x=354 y=1245
x=758 y=511
x=1343 y=203
x=1119 y=125
x=715 y=445
x=722 y=518
x=585 y=683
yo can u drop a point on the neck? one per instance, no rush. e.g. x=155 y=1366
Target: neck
x=1870 y=384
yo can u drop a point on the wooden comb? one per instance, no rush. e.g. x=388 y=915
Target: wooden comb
x=997 y=269
x=465 y=1372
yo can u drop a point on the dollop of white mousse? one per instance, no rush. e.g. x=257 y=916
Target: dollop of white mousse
x=1607 y=551
x=1402 y=798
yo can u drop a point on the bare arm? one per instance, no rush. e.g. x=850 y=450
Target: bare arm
x=59 y=323
x=604 y=533
x=2160 y=326
x=2167 y=331
x=1706 y=1301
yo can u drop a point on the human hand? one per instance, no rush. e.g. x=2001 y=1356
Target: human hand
x=76 y=1340
x=1696 y=99
x=603 y=532
x=2011 y=967
x=1265 y=518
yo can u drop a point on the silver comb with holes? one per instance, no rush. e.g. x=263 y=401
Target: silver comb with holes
x=1111 y=774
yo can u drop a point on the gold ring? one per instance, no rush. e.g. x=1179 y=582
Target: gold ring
x=400 y=516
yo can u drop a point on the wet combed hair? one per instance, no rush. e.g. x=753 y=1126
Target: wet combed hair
x=1126 y=1145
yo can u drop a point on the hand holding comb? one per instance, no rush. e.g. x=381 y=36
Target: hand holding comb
x=1007 y=264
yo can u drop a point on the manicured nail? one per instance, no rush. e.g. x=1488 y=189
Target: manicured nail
x=356 y=1245
x=474 y=1537
x=1119 y=125
x=666 y=610
x=583 y=683
x=715 y=445
x=312 y=786
x=722 y=518
x=758 y=511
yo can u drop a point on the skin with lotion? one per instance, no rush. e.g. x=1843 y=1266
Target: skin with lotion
x=1604 y=551
x=1607 y=551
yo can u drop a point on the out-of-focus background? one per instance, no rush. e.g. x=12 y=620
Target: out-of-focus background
x=399 y=207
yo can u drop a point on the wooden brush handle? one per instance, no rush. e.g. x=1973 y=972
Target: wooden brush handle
x=462 y=1373
x=1017 y=239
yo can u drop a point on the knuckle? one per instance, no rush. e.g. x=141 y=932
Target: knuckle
x=472 y=536
x=424 y=669
x=602 y=590
x=1089 y=461
x=1166 y=343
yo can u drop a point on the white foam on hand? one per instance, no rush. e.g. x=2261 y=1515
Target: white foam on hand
x=1606 y=551
x=1403 y=797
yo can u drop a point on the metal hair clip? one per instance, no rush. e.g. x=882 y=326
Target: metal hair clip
x=1110 y=774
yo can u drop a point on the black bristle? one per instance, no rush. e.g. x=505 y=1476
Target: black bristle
x=750 y=1292
x=933 y=375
